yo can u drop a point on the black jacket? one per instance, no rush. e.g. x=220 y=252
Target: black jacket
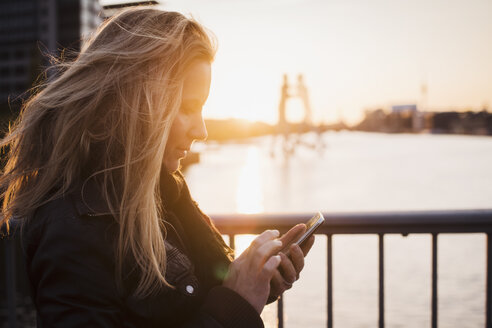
x=70 y=256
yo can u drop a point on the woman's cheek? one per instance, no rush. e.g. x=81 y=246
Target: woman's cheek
x=177 y=126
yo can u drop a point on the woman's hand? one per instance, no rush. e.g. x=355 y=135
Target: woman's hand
x=292 y=265
x=250 y=274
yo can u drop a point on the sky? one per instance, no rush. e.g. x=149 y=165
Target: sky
x=355 y=55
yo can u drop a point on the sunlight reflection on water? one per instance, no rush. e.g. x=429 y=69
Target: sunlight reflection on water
x=249 y=194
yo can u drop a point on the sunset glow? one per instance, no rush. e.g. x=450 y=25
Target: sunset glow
x=355 y=55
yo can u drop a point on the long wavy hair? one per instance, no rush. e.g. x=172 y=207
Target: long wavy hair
x=106 y=116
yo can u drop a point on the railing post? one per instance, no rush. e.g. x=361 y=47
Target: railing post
x=280 y=311
x=329 y=258
x=434 y=280
x=381 y=280
x=232 y=242
x=488 y=310
x=10 y=281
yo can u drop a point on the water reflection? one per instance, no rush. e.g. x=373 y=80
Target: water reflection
x=249 y=194
x=364 y=172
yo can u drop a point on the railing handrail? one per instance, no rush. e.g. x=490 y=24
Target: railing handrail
x=380 y=223
x=402 y=222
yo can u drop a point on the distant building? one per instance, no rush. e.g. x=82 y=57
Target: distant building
x=403 y=108
x=110 y=10
x=404 y=111
x=374 y=121
x=29 y=28
x=477 y=123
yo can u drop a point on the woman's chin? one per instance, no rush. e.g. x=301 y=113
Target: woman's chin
x=172 y=165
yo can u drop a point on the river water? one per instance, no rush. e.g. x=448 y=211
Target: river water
x=353 y=171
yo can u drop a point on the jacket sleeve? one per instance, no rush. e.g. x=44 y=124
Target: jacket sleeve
x=71 y=268
x=226 y=308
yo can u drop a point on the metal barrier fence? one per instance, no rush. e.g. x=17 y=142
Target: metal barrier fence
x=425 y=222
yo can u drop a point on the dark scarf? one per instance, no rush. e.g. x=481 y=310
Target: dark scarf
x=199 y=238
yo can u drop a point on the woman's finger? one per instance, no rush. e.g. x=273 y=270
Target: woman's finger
x=279 y=284
x=276 y=284
x=264 y=252
x=264 y=237
x=287 y=269
x=297 y=258
x=258 y=242
x=306 y=247
x=293 y=234
x=270 y=267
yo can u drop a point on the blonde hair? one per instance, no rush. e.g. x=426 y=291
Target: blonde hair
x=106 y=116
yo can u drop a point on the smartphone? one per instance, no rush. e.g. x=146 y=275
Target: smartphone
x=312 y=225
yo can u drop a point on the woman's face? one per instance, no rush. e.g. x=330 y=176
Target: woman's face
x=188 y=125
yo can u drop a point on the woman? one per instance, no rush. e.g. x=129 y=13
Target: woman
x=111 y=234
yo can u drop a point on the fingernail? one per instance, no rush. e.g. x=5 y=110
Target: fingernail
x=276 y=232
x=278 y=242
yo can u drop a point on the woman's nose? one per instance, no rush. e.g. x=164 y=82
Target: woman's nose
x=199 y=130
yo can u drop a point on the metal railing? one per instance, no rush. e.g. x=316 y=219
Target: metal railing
x=404 y=223
x=425 y=222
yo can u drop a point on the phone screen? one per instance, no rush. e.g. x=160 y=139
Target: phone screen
x=311 y=226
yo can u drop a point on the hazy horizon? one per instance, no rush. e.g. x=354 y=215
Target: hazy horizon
x=355 y=55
